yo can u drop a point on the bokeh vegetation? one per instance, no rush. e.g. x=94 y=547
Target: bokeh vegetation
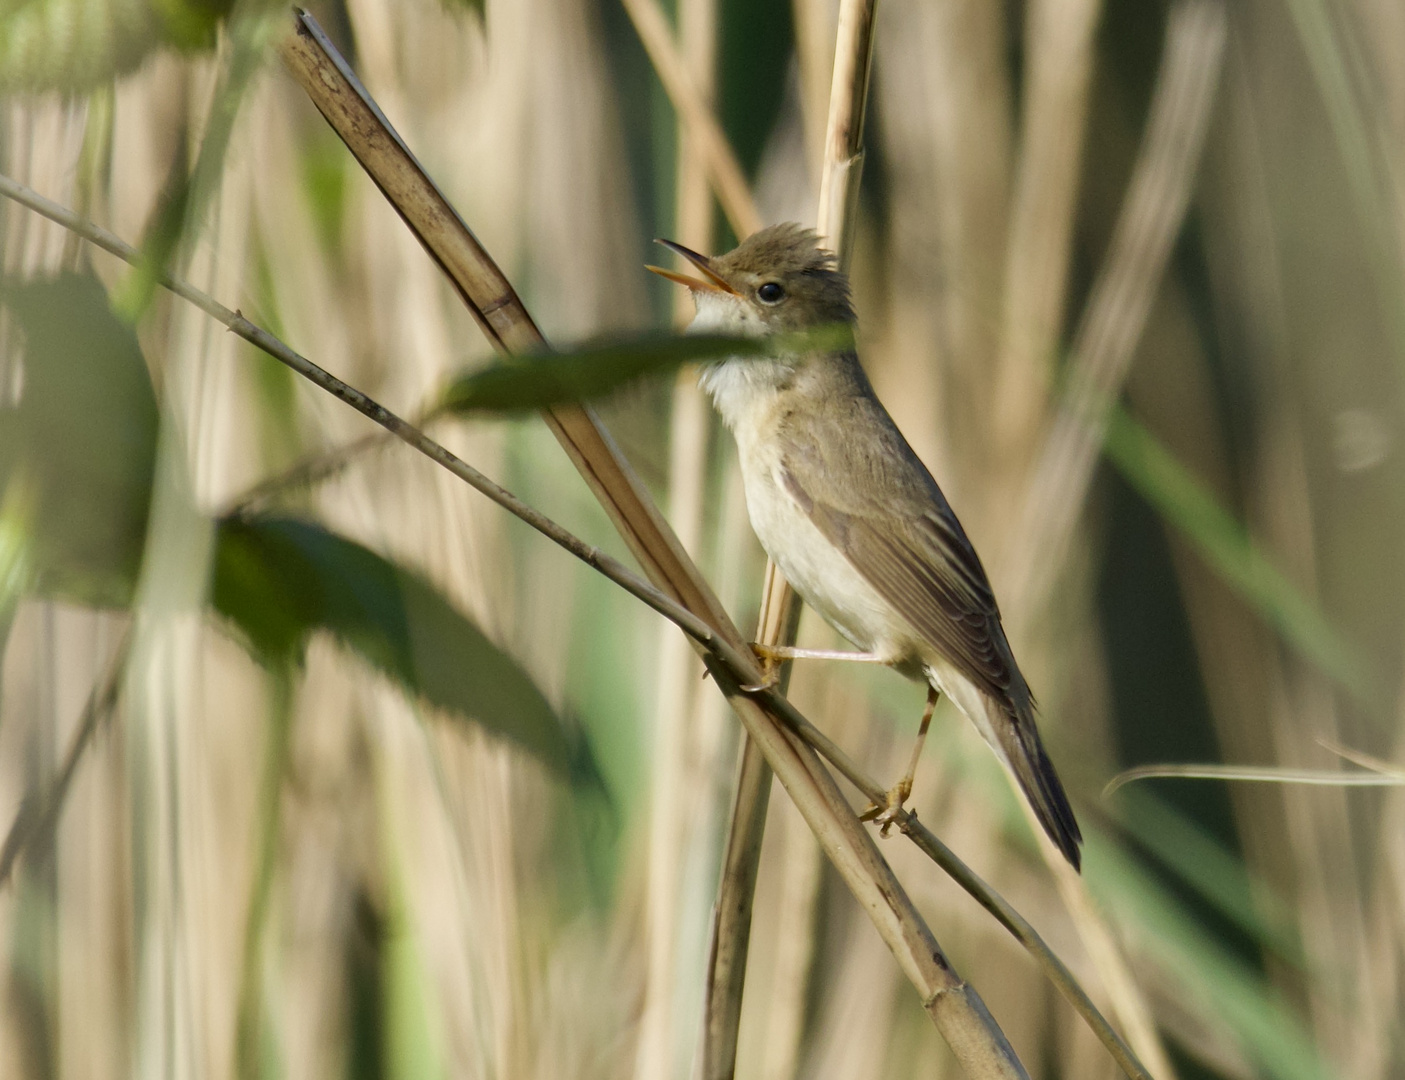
x=380 y=784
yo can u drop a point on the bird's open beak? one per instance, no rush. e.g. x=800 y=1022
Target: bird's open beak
x=710 y=281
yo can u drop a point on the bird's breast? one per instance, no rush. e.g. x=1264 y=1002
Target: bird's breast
x=818 y=571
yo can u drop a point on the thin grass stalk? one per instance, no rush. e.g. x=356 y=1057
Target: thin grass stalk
x=843 y=144
x=730 y=939
x=780 y=606
x=738 y=663
x=1106 y=340
x=953 y=1006
x=678 y=797
x=249 y=1033
x=39 y=813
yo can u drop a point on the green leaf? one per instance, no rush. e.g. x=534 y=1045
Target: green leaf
x=1181 y=499
x=1217 y=874
x=83 y=439
x=537 y=380
x=75 y=45
x=279 y=579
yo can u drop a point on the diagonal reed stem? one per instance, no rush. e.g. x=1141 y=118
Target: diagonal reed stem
x=730 y=663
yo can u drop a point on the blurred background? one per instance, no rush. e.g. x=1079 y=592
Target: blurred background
x=1129 y=277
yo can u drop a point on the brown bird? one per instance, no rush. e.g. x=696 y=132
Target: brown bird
x=851 y=516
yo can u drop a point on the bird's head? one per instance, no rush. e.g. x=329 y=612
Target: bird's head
x=778 y=280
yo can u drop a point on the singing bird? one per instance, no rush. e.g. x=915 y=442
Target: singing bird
x=848 y=512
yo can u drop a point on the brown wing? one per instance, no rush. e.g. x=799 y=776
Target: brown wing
x=909 y=546
x=892 y=523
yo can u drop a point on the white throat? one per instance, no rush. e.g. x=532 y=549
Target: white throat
x=743 y=387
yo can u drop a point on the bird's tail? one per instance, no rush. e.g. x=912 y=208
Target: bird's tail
x=1008 y=725
x=1023 y=751
x=1009 y=728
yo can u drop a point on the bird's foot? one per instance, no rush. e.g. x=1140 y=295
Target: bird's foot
x=770 y=669
x=893 y=811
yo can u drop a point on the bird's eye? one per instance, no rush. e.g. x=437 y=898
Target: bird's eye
x=770 y=293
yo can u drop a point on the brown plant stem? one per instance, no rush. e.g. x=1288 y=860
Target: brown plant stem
x=780 y=607
x=1060 y=37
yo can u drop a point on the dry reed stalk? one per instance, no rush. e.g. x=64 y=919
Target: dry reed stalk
x=797 y=906
x=1104 y=346
x=1059 y=49
x=779 y=618
x=948 y=123
x=843 y=146
x=794 y=932
x=814 y=52
x=1105 y=342
x=689 y=101
x=953 y=1006
x=680 y=795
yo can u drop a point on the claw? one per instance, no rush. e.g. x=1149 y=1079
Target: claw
x=770 y=669
x=769 y=681
x=893 y=813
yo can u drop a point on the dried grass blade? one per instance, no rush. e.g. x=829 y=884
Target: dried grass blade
x=1104 y=346
x=1106 y=340
x=709 y=142
x=1059 y=36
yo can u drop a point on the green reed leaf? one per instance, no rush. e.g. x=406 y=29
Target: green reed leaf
x=1225 y=544
x=280 y=579
x=539 y=380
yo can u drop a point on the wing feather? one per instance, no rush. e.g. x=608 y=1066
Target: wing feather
x=927 y=569
x=894 y=526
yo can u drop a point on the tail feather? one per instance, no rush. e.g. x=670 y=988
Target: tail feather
x=1024 y=752
x=1007 y=722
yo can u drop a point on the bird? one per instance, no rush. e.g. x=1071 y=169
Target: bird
x=848 y=512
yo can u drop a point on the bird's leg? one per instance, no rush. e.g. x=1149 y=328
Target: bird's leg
x=771 y=657
x=898 y=793
x=777 y=653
